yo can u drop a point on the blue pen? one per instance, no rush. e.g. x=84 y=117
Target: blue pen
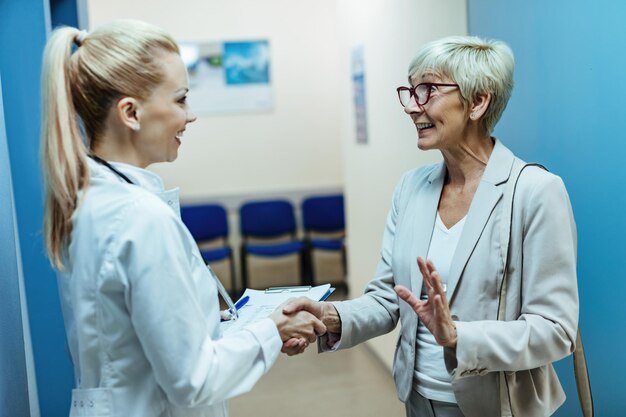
x=242 y=302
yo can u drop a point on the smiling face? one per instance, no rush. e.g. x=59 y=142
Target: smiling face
x=442 y=122
x=164 y=115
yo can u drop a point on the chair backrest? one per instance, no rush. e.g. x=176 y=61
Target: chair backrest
x=206 y=221
x=267 y=219
x=323 y=213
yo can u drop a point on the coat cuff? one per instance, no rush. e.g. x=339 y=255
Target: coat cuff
x=463 y=361
x=333 y=341
x=266 y=333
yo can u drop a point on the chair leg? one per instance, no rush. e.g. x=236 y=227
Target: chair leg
x=244 y=267
x=233 y=279
x=305 y=268
x=344 y=261
x=311 y=262
x=307 y=263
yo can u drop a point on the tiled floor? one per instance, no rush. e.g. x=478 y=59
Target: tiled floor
x=349 y=383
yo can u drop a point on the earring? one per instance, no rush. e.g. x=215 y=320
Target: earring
x=136 y=127
x=473 y=116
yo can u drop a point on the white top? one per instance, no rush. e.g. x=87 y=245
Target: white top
x=141 y=310
x=431 y=377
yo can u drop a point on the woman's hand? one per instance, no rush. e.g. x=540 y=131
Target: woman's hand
x=294 y=346
x=326 y=312
x=297 y=329
x=434 y=312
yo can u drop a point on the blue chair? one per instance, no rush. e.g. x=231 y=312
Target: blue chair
x=324 y=215
x=269 y=220
x=207 y=223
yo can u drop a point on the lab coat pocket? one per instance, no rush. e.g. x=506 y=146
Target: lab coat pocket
x=93 y=402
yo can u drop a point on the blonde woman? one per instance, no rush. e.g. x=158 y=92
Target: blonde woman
x=141 y=310
x=454 y=357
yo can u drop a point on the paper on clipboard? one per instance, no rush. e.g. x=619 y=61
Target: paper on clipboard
x=263 y=302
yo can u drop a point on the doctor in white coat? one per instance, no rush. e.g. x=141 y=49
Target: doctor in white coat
x=141 y=310
x=454 y=357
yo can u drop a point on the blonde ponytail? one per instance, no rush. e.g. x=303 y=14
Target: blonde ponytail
x=121 y=58
x=64 y=153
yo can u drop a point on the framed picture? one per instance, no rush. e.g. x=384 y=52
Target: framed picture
x=227 y=77
x=358 y=91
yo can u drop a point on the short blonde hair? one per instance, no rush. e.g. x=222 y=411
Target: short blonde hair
x=116 y=60
x=478 y=66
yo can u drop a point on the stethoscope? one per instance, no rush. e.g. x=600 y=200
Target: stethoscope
x=106 y=164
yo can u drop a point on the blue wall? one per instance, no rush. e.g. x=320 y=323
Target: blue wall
x=568 y=112
x=13 y=379
x=23 y=28
x=64 y=12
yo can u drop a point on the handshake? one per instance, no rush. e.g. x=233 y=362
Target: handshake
x=301 y=320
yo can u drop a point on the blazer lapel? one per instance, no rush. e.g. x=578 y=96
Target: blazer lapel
x=424 y=209
x=487 y=196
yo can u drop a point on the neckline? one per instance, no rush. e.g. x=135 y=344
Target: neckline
x=454 y=227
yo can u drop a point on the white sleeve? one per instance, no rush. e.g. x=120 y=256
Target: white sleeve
x=191 y=367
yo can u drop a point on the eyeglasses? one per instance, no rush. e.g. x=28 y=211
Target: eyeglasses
x=420 y=92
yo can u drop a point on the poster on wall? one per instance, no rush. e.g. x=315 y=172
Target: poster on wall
x=358 y=88
x=227 y=77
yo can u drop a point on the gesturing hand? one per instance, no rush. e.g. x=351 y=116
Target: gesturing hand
x=434 y=312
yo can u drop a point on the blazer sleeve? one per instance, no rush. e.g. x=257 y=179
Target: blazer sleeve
x=376 y=312
x=192 y=365
x=545 y=330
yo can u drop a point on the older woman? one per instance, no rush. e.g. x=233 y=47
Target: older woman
x=141 y=309
x=454 y=357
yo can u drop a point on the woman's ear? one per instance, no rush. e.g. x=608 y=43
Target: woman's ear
x=479 y=105
x=127 y=109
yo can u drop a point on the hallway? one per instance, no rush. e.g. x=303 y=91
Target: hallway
x=348 y=383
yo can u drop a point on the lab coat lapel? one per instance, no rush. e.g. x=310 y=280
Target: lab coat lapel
x=483 y=204
x=424 y=213
x=171 y=198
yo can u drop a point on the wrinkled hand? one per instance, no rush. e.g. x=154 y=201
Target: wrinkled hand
x=434 y=312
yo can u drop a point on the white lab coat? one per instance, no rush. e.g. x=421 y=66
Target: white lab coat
x=141 y=311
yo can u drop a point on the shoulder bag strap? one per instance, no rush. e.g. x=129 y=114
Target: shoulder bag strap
x=581 y=373
x=583 y=384
x=506 y=223
x=505 y=238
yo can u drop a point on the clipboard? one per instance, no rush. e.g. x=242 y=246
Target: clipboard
x=296 y=290
x=262 y=303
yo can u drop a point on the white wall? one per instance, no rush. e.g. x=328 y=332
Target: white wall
x=308 y=141
x=391 y=32
x=294 y=147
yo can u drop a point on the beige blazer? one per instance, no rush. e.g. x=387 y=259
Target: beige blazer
x=542 y=298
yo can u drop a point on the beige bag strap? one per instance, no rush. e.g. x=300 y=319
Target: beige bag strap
x=505 y=230
x=581 y=373
x=505 y=238
x=583 y=384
